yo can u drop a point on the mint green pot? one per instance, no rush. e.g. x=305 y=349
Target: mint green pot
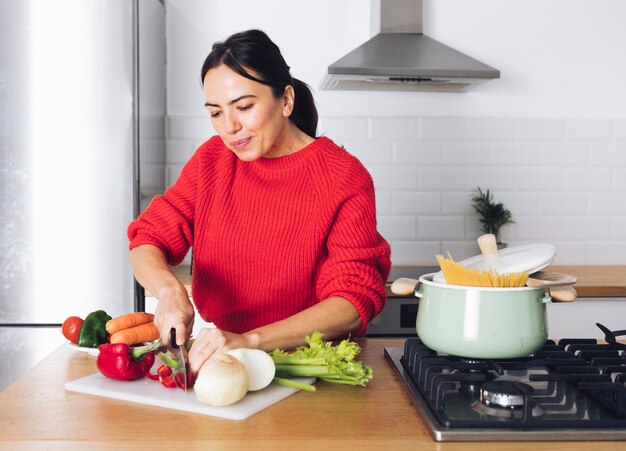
x=481 y=323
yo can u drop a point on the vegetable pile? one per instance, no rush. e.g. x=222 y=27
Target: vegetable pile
x=225 y=378
x=321 y=359
x=116 y=339
x=98 y=328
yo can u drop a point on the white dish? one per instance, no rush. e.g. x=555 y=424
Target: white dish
x=75 y=347
x=527 y=257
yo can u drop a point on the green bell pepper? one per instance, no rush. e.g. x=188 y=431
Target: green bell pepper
x=93 y=332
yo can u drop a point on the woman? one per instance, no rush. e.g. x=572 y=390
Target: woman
x=283 y=224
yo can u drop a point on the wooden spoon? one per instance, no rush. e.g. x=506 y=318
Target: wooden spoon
x=404 y=286
x=489 y=248
x=545 y=279
x=563 y=294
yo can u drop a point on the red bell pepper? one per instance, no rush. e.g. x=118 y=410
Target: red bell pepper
x=115 y=361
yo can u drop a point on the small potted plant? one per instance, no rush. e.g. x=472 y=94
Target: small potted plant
x=492 y=215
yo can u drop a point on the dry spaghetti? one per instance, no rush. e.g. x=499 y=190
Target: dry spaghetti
x=457 y=274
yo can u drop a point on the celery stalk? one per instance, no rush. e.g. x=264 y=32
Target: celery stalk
x=321 y=359
x=294 y=384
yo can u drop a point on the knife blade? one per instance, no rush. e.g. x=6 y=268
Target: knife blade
x=182 y=355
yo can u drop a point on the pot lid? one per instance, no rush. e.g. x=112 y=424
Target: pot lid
x=527 y=257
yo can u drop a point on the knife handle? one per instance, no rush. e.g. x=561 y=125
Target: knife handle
x=173 y=344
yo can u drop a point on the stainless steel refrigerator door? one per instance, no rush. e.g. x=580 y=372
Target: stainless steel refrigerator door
x=21 y=348
x=66 y=158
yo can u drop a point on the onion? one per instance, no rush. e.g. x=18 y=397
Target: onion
x=222 y=380
x=260 y=366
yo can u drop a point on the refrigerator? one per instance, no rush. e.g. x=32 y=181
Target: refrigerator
x=82 y=111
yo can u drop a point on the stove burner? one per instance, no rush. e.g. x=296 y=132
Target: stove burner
x=505 y=399
x=504 y=393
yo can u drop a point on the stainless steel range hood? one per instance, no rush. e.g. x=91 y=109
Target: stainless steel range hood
x=402 y=58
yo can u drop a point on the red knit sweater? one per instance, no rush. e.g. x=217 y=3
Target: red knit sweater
x=273 y=236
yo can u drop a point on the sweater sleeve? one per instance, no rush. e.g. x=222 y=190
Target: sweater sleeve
x=168 y=221
x=358 y=260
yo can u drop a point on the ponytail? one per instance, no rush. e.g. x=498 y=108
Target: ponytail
x=304 y=114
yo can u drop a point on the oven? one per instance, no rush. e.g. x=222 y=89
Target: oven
x=399 y=317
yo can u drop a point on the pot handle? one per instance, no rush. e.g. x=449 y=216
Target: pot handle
x=405 y=286
x=546 y=298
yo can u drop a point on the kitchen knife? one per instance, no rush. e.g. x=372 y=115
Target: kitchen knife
x=182 y=355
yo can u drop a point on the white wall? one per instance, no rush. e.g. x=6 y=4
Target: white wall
x=548 y=138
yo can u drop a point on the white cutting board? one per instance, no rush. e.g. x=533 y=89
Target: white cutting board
x=146 y=391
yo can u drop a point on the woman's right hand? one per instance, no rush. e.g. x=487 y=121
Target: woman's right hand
x=174 y=310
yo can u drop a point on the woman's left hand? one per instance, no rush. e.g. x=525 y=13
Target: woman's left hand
x=211 y=341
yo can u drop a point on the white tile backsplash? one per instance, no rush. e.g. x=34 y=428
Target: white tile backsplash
x=520 y=202
x=538 y=179
x=456 y=203
x=152 y=177
x=619 y=179
x=392 y=128
x=459 y=250
x=542 y=130
x=467 y=154
x=408 y=253
x=619 y=129
x=383 y=202
x=189 y=127
x=443 y=129
x=397 y=227
x=588 y=130
x=493 y=129
x=587 y=179
x=606 y=253
x=516 y=153
x=417 y=203
x=372 y=153
x=606 y=203
x=564 y=179
x=339 y=128
x=410 y=152
x=492 y=178
x=179 y=151
x=394 y=178
x=152 y=151
x=619 y=229
x=562 y=203
x=564 y=154
x=441 y=178
x=441 y=227
x=607 y=154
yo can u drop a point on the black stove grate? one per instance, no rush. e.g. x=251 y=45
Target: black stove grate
x=575 y=383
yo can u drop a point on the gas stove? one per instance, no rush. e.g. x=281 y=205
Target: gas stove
x=571 y=390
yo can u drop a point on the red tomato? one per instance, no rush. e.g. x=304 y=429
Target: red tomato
x=71 y=328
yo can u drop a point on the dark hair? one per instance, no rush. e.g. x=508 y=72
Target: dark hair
x=254 y=51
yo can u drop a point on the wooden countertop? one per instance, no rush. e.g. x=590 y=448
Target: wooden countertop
x=597 y=281
x=37 y=413
x=604 y=281
x=593 y=281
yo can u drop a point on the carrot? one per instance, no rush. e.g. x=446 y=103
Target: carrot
x=137 y=334
x=127 y=321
